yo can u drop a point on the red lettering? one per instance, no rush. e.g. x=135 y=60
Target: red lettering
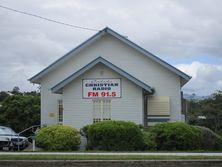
x=89 y=94
x=93 y=94
x=113 y=94
x=103 y=94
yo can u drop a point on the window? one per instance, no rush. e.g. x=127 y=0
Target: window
x=60 y=111
x=101 y=110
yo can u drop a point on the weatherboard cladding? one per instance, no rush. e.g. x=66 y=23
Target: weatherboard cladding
x=58 y=87
x=79 y=112
x=120 y=55
x=35 y=79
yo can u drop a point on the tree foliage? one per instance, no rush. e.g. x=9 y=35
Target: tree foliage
x=210 y=109
x=20 y=110
x=3 y=96
x=16 y=90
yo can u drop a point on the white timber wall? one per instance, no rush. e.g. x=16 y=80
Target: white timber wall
x=78 y=111
x=165 y=82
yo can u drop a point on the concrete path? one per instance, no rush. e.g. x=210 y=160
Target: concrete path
x=30 y=148
x=116 y=153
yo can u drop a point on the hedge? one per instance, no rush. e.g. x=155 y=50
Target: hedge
x=210 y=140
x=114 y=136
x=174 y=136
x=58 y=137
x=126 y=136
x=149 y=141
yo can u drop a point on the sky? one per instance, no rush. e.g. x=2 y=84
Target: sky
x=185 y=33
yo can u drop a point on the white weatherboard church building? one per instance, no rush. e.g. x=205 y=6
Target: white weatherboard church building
x=108 y=77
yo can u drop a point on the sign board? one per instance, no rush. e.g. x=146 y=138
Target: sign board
x=101 y=88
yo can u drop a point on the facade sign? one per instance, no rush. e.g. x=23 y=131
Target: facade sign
x=101 y=88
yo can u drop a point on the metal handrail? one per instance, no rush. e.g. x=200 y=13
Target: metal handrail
x=31 y=127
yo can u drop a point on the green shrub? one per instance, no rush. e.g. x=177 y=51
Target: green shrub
x=115 y=136
x=58 y=137
x=149 y=140
x=176 y=136
x=210 y=140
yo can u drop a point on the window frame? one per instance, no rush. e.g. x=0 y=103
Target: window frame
x=60 y=111
x=101 y=110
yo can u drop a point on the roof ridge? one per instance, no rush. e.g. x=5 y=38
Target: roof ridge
x=36 y=78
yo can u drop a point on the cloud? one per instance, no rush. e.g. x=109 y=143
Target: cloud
x=16 y=74
x=206 y=78
x=172 y=29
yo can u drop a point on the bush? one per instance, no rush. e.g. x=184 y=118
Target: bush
x=115 y=136
x=58 y=137
x=210 y=140
x=149 y=140
x=176 y=136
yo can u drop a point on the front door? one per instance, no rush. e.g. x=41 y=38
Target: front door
x=101 y=110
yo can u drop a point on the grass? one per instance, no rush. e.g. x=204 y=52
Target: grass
x=147 y=151
x=104 y=157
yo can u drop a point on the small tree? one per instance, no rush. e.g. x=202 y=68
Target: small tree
x=16 y=90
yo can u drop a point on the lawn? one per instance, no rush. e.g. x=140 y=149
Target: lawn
x=104 y=157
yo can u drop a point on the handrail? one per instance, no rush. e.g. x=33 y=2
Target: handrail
x=31 y=127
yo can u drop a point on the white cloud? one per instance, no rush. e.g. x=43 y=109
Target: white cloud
x=179 y=29
x=16 y=74
x=206 y=78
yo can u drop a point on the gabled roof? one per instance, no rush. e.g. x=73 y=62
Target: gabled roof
x=59 y=87
x=37 y=77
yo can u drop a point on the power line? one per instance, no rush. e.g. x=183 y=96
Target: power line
x=47 y=19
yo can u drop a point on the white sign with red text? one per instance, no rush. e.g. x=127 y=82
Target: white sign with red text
x=101 y=88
